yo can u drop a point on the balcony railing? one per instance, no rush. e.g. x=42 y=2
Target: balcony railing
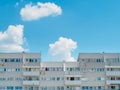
x=31 y=82
x=31 y=73
x=93 y=83
x=73 y=83
x=108 y=82
x=113 y=73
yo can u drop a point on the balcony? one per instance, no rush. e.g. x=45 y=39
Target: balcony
x=113 y=64
x=72 y=83
x=72 y=73
x=93 y=83
x=31 y=82
x=31 y=65
x=31 y=73
x=113 y=73
x=108 y=82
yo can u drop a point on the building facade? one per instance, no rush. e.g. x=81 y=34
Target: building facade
x=92 y=71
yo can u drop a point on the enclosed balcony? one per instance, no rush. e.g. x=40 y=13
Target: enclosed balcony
x=113 y=73
x=108 y=82
x=113 y=80
x=72 y=80
x=31 y=73
x=72 y=83
x=31 y=82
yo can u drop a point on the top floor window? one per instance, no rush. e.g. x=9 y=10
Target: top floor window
x=11 y=60
x=31 y=60
x=112 y=60
x=92 y=60
x=99 y=60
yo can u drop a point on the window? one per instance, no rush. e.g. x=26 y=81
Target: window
x=62 y=78
x=58 y=78
x=77 y=69
x=36 y=60
x=46 y=69
x=18 y=79
x=44 y=88
x=52 y=78
x=29 y=69
x=6 y=60
x=100 y=78
x=99 y=87
x=26 y=60
x=43 y=78
x=71 y=69
x=90 y=88
x=100 y=69
x=112 y=78
x=10 y=88
x=30 y=60
x=18 y=88
x=18 y=60
x=112 y=87
x=84 y=88
x=18 y=69
x=12 y=60
x=4 y=69
x=58 y=88
x=10 y=79
x=72 y=78
x=2 y=79
x=67 y=69
x=97 y=60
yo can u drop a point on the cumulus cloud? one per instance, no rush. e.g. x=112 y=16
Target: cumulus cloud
x=12 y=39
x=62 y=49
x=40 y=10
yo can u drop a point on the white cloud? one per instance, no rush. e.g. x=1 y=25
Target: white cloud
x=12 y=39
x=17 y=4
x=40 y=10
x=62 y=49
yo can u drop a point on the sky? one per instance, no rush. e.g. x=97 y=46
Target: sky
x=60 y=29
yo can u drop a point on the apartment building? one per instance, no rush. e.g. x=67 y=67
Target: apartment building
x=92 y=71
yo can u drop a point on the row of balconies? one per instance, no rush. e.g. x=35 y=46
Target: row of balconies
x=37 y=82
x=37 y=73
x=32 y=82
x=31 y=73
x=74 y=83
x=112 y=73
x=108 y=82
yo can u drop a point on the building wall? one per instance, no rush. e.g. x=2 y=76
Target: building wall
x=92 y=71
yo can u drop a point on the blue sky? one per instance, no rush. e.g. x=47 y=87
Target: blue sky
x=93 y=24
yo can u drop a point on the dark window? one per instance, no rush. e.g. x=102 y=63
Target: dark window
x=70 y=69
x=6 y=60
x=112 y=78
x=46 y=69
x=72 y=78
x=29 y=69
x=30 y=60
x=4 y=69
x=112 y=87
